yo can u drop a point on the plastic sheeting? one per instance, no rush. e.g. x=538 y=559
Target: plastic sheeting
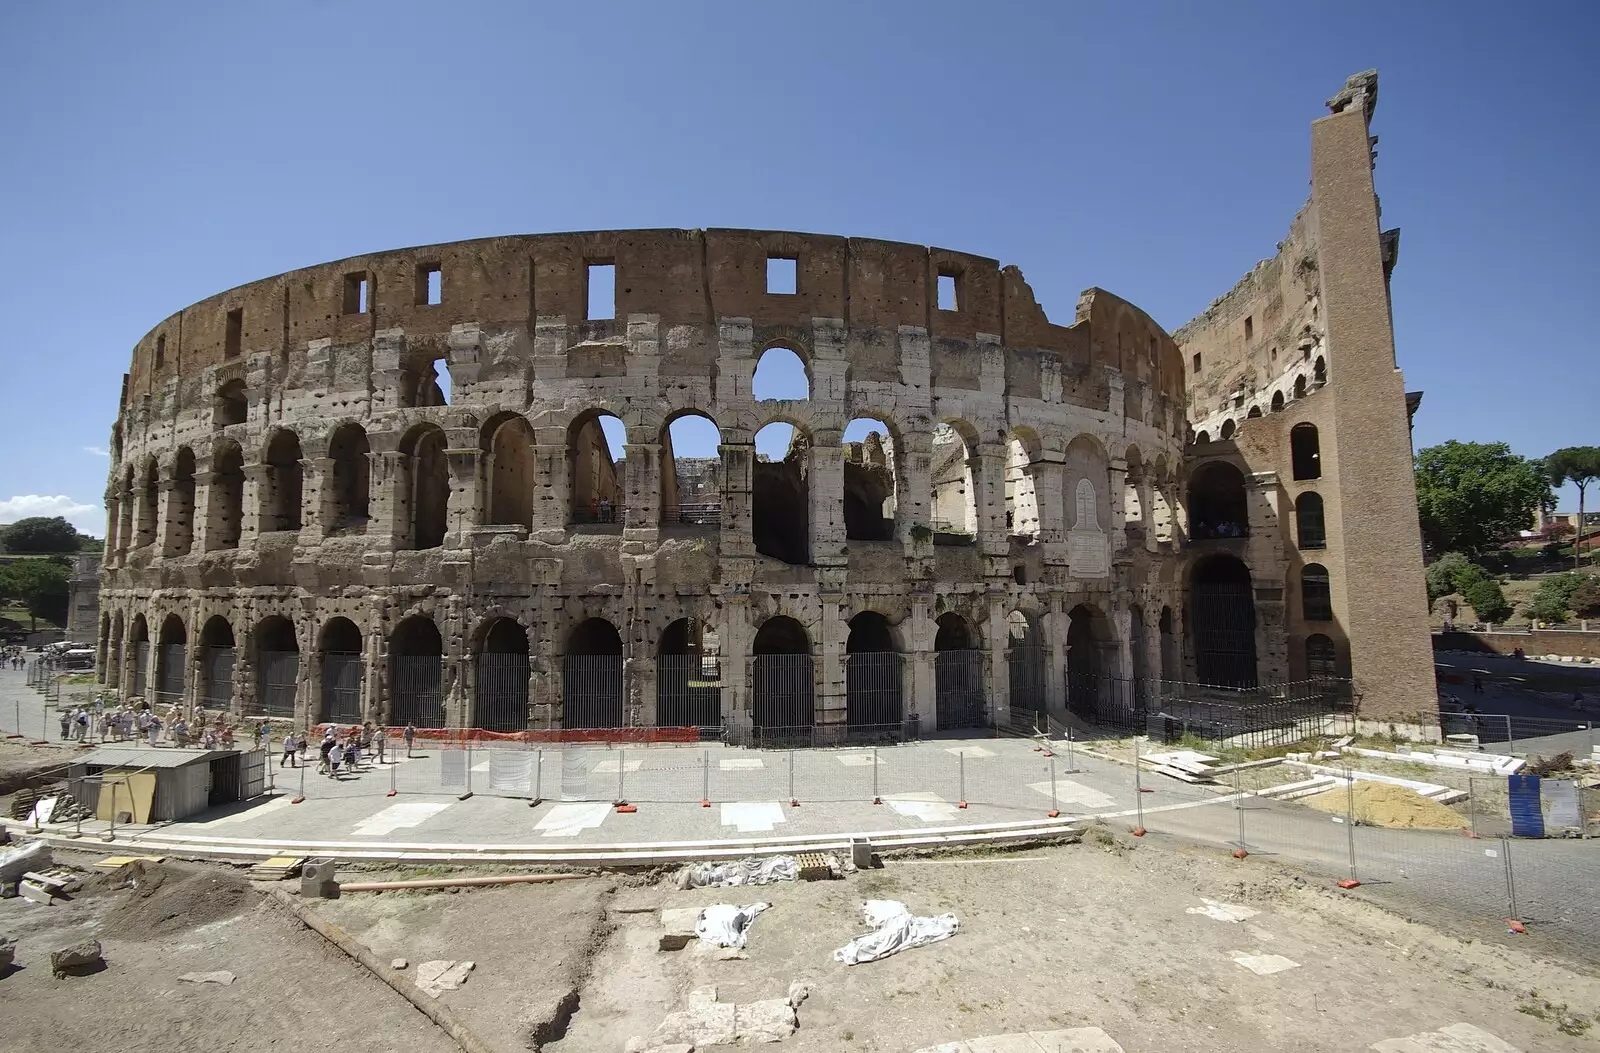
x=894 y=929
x=740 y=872
x=725 y=925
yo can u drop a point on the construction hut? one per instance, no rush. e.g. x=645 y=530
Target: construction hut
x=144 y=785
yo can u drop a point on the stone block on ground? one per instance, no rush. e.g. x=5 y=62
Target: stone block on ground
x=399 y=963
x=8 y=952
x=34 y=892
x=81 y=958
x=218 y=976
x=677 y=927
x=16 y=862
x=769 y=1020
x=705 y=1024
x=436 y=977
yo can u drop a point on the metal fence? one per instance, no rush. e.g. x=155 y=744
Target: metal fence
x=1026 y=664
x=688 y=691
x=698 y=513
x=960 y=693
x=216 y=678
x=277 y=683
x=1523 y=735
x=344 y=673
x=782 y=693
x=591 y=691
x=500 y=702
x=872 y=684
x=416 y=691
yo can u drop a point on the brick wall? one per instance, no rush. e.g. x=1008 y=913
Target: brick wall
x=1540 y=641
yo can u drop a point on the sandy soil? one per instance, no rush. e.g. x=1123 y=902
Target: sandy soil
x=1382 y=804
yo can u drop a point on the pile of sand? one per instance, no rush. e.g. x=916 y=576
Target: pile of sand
x=160 y=899
x=1384 y=804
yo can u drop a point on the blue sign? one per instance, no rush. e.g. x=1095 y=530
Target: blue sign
x=1527 y=817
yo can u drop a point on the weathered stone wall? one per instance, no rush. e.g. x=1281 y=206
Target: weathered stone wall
x=285 y=458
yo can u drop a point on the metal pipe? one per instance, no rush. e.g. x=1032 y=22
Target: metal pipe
x=462 y=882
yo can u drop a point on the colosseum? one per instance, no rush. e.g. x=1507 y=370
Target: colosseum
x=440 y=486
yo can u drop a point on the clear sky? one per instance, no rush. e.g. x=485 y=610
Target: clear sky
x=157 y=153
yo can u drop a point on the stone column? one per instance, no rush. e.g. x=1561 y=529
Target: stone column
x=544 y=672
x=1118 y=481
x=376 y=697
x=642 y=499
x=113 y=523
x=552 y=506
x=923 y=698
x=999 y=637
x=1122 y=640
x=988 y=473
x=125 y=538
x=1048 y=479
x=738 y=466
x=244 y=670
x=162 y=543
x=389 y=525
x=913 y=476
x=832 y=712
x=205 y=530
x=825 y=487
x=320 y=503
x=468 y=466
x=733 y=635
x=1055 y=649
x=1147 y=511
x=252 y=516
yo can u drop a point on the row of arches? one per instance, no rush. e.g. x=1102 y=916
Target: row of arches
x=1319 y=377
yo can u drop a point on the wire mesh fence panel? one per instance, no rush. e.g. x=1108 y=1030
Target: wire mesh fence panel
x=959 y=690
x=277 y=678
x=216 y=670
x=1025 y=665
x=688 y=691
x=591 y=691
x=500 y=701
x=511 y=772
x=141 y=668
x=342 y=678
x=169 y=670
x=872 y=692
x=416 y=690
x=782 y=693
x=664 y=775
x=745 y=777
x=1522 y=735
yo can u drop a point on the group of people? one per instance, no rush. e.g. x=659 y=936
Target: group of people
x=136 y=721
x=15 y=657
x=342 y=750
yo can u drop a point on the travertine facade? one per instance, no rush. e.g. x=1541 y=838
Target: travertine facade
x=1301 y=429
x=302 y=520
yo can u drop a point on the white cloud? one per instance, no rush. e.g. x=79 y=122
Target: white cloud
x=89 y=519
x=97 y=451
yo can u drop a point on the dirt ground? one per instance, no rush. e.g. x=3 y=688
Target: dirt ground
x=1105 y=933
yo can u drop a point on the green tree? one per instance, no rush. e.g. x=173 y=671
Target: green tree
x=1473 y=495
x=40 y=585
x=1554 y=598
x=1580 y=466
x=1487 y=601
x=1585 y=601
x=1441 y=574
x=40 y=534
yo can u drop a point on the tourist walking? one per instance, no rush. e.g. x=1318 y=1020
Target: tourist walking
x=379 y=741
x=288 y=752
x=411 y=736
x=326 y=751
x=335 y=758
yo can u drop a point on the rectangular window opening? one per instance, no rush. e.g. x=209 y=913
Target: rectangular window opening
x=355 y=293
x=601 y=289
x=430 y=285
x=234 y=337
x=949 y=291
x=781 y=276
x=161 y=351
x=1249 y=327
x=1196 y=363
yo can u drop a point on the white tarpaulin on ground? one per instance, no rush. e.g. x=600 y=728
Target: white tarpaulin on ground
x=725 y=925
x=894 y=928
x=740 y=872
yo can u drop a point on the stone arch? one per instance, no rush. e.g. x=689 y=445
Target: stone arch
x=1305 y=452
x=500 y=680
x=172 y=661
x=1228 y=428
x=783 y=681
x=1300 y=386
x=782 y=372
x=1024 y=517
x=344 y=673
x=149 y=501
x=871 y=480
x=282 y=496
x=277 y=668
x=780 y=519
x=217 y=657
x=1170 y=661
x=1319 y=371
x=232 y=404
x=416 y=673
x=350 y=452
x=1025 y=659
x=874 y=708
x=1202 y=437
x=1316 y=593
x=1090 y=647
x=1222 y=622
x=424 y=486
x=591 y=685
x=226 y=520
x=1218 y=504
x=960 y=694
x=688 y=675
x=691 y=483
x=1277 y=401
x=954 y=497
x=507 y=438
x=137 y=641
x=593 y=474
x=180 y=504
x=1322 y=658
x=1310 y=530
x=1255 y=411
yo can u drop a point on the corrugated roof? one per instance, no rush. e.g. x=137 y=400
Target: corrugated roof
x=145 y=757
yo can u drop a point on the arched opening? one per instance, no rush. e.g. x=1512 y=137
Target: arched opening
x=872 y=679
x=216 y=663
x=954 y=507
x=277 y=668
x=782 y=686
x=1322 y=658
x=180 y=505
x=509 y=441
x=114 y=653
x=424 y=385
x=1202 y=437
x=102 y=648
x=227 y=495
x=1319 y=371
x=1139 y=659
x=1218 y=507
x=1305 y=451
x=139 y=646
x=596 y=475
x=416 y=673
x=282 y=499
x=1025 y=659
x=1255 y=411
x=424 y=487
x=344 y=673
x=689 y=676
x=1022 y=497
x=1300 y=386
x=958 y=688
x=691 y=471
x=870 y=493
x=1222 y=622
x=1169 y=647
x=1277 y=401
x=149 y=502
x=500 y=698
x=352 y=476
x=1228 y=428
x=1316 y=593
x=172 y=658
x=780 y=374
x=232 y=404
x=591 y=676
x=780 y=519
x=1088 y=635
x=1310 y=532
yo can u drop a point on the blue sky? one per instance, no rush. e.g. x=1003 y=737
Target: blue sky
x=158 y=153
